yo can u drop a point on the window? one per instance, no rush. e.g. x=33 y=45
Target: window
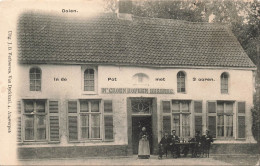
x=224 y=83
x=220 y=119
x=35 y=79
x=176 y=116
x=140 y=78
x=85 y=118
x=35 y=123
x=181 y=82
x=89 y=80
x=241 y=106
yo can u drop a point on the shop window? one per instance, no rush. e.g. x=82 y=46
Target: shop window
x=181 y=82
x=241 y=119
x=178 y=119
x=220 y=119
x=85 y=119
x=224 y=83
x=35 y=79
x=37 y=119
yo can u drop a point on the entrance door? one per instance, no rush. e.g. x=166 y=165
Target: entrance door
x=137 y=123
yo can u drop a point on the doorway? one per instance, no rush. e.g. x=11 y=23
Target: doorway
x=137 y=123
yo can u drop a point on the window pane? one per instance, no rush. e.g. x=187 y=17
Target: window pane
x=83 y=106
x=29 y=127
x=72 y=106
x=40 y=106
x=167 y=124
x=95 y=123
x=229 y=126
x=84 y=120
x=211 y=107
x=229 y=108
x=212 y=125
x=108 y=106
x=220 y=107
x=84 y=126
x=32 y=76
x=221 y=125
x=241 y=107
x=176 y=106
x=28 y=106
x=241 y=127
x=95 y=106
x=185 y=106
x=95 y=120
x=41 y=127
x=73 y=128
x=176 y=123
x=185 y=125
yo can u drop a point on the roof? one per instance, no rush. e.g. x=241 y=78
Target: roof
x=105 y=39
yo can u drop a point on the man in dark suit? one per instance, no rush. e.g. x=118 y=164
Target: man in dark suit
x=175 y=148
x=164 y=145
x=206 y=141
x=195 y=144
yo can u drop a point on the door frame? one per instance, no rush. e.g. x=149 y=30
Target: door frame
x=154 y=125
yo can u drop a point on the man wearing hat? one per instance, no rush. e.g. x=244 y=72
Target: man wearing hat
x=164 y=145
x=195 y=144
x=175 y=148
x=206 y=140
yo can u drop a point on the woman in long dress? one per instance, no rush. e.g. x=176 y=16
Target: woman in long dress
x=144 y=148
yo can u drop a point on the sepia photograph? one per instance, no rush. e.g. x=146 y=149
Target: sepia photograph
x=130 y=82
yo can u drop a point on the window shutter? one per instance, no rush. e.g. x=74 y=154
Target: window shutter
x=167 y=124
x=108 y=120
x=73 y=128
x=198 y=123
x=19 y=137
x=211 y=107
x=212 y=125
x=241 y=127
x=54 y=121
x=166 y=106
x=72 y=120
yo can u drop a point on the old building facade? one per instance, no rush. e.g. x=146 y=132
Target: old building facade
x=89 y=85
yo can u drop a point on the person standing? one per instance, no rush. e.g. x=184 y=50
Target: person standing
x=206 y=141
x=175 y=148
x=144 y=148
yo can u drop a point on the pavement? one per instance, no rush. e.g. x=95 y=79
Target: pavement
x=132 y=160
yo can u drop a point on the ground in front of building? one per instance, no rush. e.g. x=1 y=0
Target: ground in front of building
x=133 y=160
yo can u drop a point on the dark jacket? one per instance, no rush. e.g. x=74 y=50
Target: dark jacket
x=206 y=140
x=143 y=133
x=165 y=141
x=175 y=139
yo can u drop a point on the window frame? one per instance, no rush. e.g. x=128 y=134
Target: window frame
x=223 y=84
x=216 y=115
x=179 y=88
x=102 y=121
x=181 y=113
x=46 y=114
x=35 y=67
x=83 y=69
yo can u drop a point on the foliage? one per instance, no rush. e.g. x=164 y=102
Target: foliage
x=256 y=121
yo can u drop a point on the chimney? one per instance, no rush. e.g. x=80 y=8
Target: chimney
x=125 y=9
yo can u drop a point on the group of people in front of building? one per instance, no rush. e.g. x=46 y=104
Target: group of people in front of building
x=199 y=145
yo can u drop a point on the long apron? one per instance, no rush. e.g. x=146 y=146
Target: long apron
x=144 y=148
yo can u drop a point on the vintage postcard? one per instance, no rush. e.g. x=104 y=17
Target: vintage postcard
x=128 y=82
